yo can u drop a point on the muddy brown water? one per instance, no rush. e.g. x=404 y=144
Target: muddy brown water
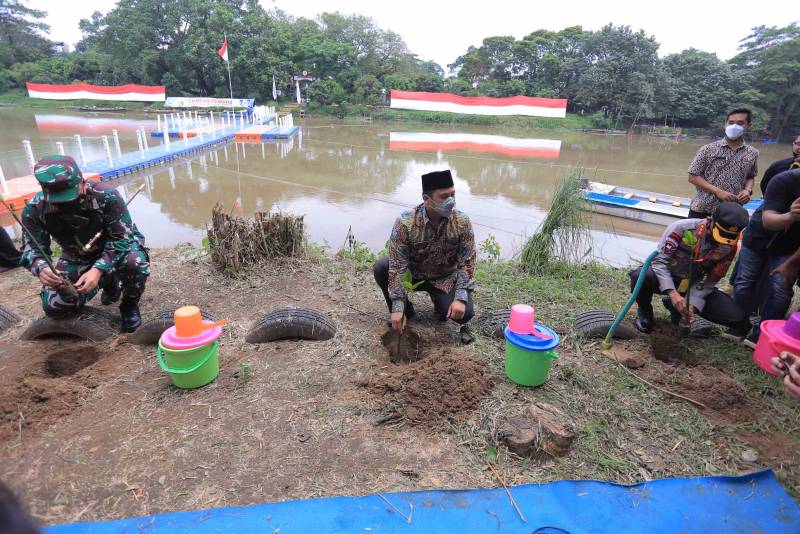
x=357 y=175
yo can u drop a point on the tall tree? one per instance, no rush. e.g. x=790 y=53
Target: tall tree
x=698 y=87
x=622 y=72
x=21 y=39
x=770 y=65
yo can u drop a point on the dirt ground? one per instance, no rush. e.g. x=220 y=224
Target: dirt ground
x=95 y=431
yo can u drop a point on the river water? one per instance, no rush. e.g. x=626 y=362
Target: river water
x=359 y=176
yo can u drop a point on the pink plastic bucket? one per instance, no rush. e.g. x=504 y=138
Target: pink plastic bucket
x=171 y=340
x=777 y=336
x=521 y=319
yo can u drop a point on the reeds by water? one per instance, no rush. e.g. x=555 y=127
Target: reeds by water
x=236 y=242
x=564 y=234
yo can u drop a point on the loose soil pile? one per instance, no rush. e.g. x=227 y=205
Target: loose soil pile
x=703 y=383
x=444 y=386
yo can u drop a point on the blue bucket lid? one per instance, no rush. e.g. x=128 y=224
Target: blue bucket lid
x=531 y=342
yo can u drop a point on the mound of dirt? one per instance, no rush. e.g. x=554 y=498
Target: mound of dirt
x=446 y=385
x=702 y=383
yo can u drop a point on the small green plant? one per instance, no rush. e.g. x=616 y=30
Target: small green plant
x=408 y=282
x=358 y=251
x=491 y=248
x=244 y=374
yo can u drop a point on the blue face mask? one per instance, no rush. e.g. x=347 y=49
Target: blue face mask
x=445 y=207
x=734 y=131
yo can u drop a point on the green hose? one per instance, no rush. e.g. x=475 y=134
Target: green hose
x=624 y=311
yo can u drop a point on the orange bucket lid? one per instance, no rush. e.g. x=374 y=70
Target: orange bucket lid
x=189 y=322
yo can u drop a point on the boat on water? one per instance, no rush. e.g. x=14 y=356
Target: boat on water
x=603 y=131
x=639 y=205
x=95 y=109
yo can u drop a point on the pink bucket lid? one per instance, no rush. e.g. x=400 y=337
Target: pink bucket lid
x=786 y=333
x=171 y=341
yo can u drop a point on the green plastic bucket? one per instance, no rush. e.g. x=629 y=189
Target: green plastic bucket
x=190 y=368
x=528 y=357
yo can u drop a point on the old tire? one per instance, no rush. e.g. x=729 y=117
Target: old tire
x=493 y=323
x=595 y=323
x=7 y=319
x=92 y=324
x=291 y=323
x=150 y=331
x=701 y=328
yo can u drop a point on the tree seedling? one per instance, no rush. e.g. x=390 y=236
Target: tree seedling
x=408 y=284
x=690 y=240
x=244 y=374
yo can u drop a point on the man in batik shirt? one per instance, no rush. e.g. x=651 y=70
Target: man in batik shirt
x=435 y=243
x=100 y=245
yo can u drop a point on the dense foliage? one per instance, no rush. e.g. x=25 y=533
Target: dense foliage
x=613 y=74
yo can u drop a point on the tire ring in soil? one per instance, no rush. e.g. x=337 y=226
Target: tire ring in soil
x=701 y=328
x=7 y=319
x=292 y=323
x=150 y=331
x=493 y=323
x=92 y=324
x=595 y=323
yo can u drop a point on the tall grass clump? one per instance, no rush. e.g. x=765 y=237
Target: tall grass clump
x=563 y=237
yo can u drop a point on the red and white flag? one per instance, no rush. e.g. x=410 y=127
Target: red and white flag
x=479 y=105
x=223 y=51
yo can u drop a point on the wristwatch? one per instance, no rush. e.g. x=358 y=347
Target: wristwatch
x=749 y=191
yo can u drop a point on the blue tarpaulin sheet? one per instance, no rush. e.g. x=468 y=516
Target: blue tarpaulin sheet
x=748 y=504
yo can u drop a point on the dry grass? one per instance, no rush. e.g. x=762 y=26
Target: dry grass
x=237 y=243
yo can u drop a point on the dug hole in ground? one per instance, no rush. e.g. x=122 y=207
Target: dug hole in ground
x=95 y=431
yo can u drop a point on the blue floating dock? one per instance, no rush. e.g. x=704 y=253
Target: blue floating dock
x=263 y=133
x=192 y=130
x=135 y=161
x=277 y=134
x=743 y=504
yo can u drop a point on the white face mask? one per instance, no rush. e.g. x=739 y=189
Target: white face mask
x=734 y=131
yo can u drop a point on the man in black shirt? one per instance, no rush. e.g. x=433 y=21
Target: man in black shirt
x=782 y=165
x=770 y=239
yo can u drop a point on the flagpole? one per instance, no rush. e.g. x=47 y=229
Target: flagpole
x=228 y=64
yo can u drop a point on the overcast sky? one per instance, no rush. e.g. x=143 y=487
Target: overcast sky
x=442 y=30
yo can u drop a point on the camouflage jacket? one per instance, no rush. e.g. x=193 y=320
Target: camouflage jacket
x=443 y=254
x=100 y=209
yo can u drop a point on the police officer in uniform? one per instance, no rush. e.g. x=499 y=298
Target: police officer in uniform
x=694 y=254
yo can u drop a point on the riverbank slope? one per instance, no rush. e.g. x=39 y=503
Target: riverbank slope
x=299 y=419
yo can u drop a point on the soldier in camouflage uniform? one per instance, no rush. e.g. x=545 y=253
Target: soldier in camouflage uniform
x=72 y=211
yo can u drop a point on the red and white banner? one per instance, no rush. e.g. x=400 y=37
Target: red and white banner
x=480 y=105
x=477 y=143
x=74 y=91
x=84 y=125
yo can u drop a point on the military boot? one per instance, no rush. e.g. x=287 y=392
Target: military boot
x=129 y=310
x=111 y=290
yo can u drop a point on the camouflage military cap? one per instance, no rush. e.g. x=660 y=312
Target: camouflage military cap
x=59 y=177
